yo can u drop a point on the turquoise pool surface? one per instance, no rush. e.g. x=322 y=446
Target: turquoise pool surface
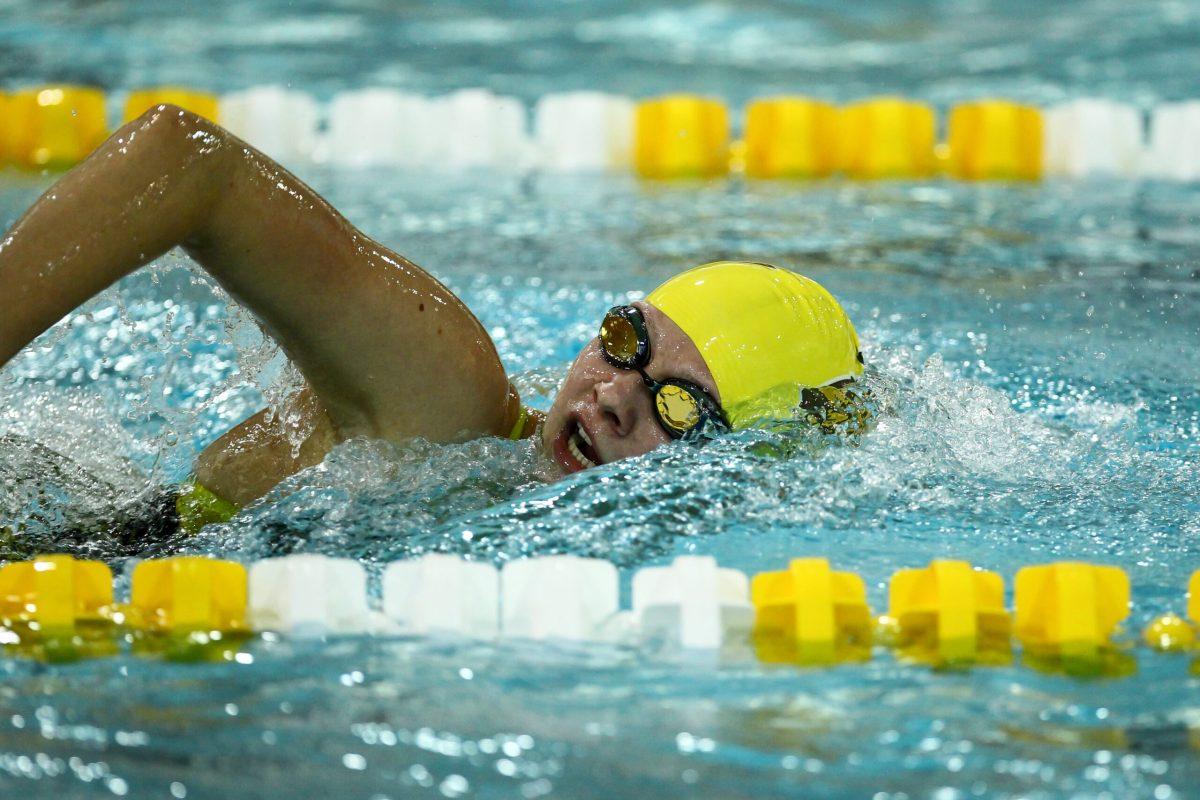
x=1032 y=351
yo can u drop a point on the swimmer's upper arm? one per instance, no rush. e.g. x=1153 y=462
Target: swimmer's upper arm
x=390 y=351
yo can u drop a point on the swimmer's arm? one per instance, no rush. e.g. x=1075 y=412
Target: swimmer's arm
x=255 y=455
x=389 y=351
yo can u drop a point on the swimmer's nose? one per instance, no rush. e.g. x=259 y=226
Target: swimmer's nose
x=620 y=399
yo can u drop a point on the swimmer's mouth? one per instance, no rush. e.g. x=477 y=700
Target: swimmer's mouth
x=574 y=448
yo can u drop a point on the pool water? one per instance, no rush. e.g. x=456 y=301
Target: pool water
x=1032 y=354
x=1032 y=351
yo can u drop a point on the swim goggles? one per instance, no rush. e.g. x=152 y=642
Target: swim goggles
x=682 y=406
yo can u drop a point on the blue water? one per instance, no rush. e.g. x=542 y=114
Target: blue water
x=940 y=51
x=1032 y=350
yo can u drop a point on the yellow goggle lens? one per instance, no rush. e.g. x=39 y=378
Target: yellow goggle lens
x=677 y=408
x=619 y=339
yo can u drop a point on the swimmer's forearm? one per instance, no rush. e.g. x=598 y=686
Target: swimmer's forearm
x=251 y=458
x=139 y=194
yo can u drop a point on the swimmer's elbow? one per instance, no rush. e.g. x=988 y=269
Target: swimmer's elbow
x=172 y=132
x=169 y=115
x=185 y=152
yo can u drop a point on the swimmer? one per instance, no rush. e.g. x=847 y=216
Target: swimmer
x=386 y=351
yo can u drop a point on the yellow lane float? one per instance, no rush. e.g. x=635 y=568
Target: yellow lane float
x=886 y=137
x=9 y=124
x=790 y=137
x=810 y=614
x=949 y=613
x=56 y=608
x=188 y=593
x=188 y=608
x=200 y=103
x=55 y=592
x=681 y=136
x=995 y=140
x=54 y=126
x=1170 y=633
x=1070 y=609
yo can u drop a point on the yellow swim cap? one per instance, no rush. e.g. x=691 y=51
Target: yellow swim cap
x=764 y=332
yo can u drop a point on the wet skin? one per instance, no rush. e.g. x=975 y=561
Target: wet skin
x=613 y=406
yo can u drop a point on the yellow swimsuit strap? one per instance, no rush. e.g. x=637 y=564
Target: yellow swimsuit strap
x=518 y=429
x=197 y=506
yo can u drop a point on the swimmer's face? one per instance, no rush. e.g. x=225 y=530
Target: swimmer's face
x=607 y=413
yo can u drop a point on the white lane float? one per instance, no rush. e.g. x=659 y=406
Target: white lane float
x=692 y=603
x=558 y=597
x=1092 y=136
x=477 y=128
x=280 y=122
x=309 y=595
x=584 y=132
x=441 y=593
x=380 y=127
x=1174 y=149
